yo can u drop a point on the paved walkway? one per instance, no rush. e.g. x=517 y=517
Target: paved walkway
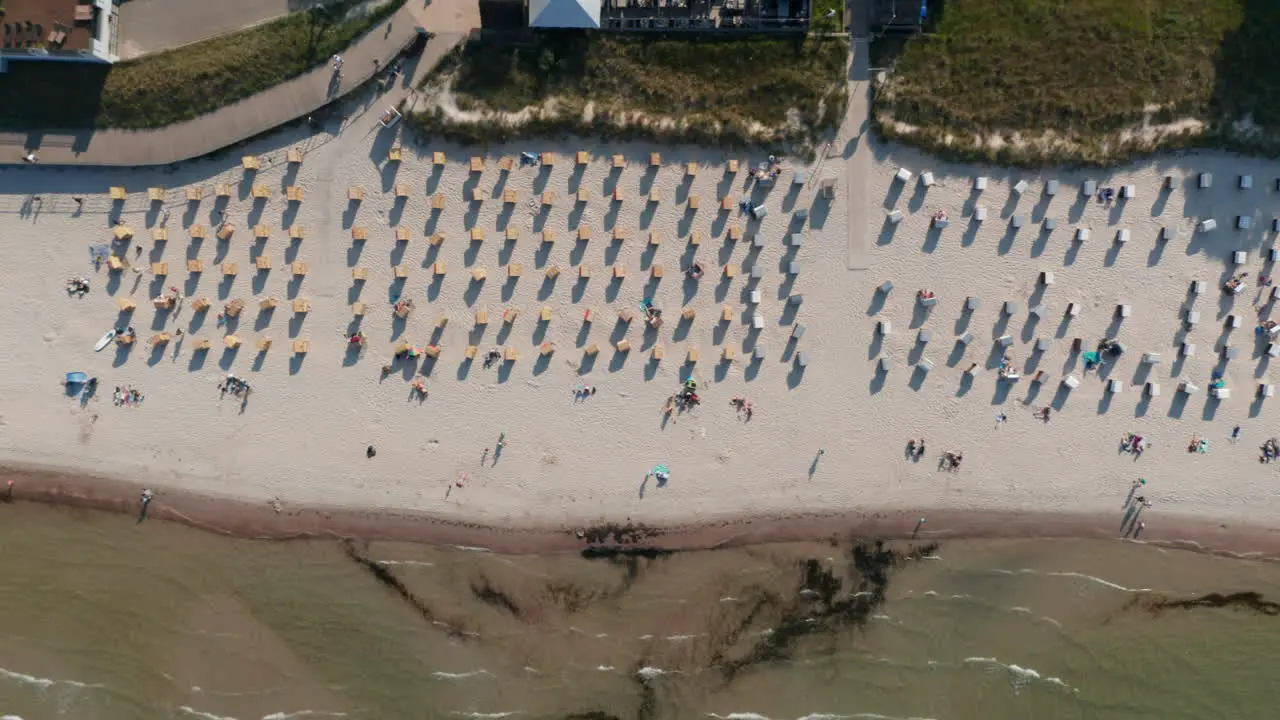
x=279 y=105
x=857 y=133
x=147 y=26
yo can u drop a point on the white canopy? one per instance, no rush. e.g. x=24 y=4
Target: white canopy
x=564 y=13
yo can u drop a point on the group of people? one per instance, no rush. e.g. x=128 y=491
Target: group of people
x=235 y=385
x=77 y=287
x=1235 y=285
x=126 y=395
x=768 y=172
x=1270 y=450
x=743 y=405
x=1130 y=526
x=951 y=460
x=1133 y=443
x=685 y=399
x=1007 y=369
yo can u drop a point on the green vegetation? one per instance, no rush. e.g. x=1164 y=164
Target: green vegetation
x=184 y=83
x=822 y=23
x=1073 y=78
x=696 y=88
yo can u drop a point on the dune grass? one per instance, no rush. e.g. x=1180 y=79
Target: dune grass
x=703 y=88
x=176 y=85
x=1090 y=72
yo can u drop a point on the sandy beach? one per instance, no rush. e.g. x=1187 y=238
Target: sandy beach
x=300 y=439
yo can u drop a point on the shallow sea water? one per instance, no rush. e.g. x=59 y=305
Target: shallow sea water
x=103 y=618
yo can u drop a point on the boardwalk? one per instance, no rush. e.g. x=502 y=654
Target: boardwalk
x=235 y=123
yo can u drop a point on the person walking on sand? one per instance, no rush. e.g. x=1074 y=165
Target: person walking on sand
x=1235 y=434
x=146 y=501
x=1134 y=489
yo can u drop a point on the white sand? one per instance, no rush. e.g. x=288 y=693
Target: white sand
x=302 y=436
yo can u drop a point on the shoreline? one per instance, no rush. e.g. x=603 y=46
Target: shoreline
x=242 y=519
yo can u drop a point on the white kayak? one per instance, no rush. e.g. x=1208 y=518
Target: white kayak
x=105 y=340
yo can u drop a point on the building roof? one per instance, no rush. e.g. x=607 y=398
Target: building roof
x=564 y=13
x=32 y=23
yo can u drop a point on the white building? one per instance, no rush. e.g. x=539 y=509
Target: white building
x=564 y=14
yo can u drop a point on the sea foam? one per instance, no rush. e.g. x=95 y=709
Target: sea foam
x=188 y=710
x=461 y=676
x=42 y=683
x=1019 y=676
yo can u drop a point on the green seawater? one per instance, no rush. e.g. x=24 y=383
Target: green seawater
x=101 y=617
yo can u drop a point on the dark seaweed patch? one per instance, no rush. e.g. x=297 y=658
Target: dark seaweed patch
x=571 y=598
x=609 y=552
x=383 y=575
x=619 y=534
x=485 y=592
x=629 y=559
x=821 y=605
x=1245 y=600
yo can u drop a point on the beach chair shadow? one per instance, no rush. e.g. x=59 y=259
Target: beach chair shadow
x=349 y=214
x=618 y=361
x=263 y=318
x=228 y=358
x=1006 y=241
x=1113 y=254
x=541 y=364
x=198 y=358
x=1104 y=403
x=651 y=368
x=1210 y=407
x=887 y=230
x=542 y=255
x=795 y=376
